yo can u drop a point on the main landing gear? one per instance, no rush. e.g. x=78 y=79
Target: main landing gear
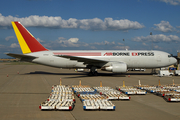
x=93 y=71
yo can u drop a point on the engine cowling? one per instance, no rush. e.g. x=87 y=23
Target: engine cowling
x=116 y=68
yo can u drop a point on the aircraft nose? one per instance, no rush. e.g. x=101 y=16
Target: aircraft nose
x=173 y=60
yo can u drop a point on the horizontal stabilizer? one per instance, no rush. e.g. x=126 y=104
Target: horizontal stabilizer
x=20 y=56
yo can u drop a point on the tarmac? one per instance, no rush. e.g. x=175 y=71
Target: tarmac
x=24 y=87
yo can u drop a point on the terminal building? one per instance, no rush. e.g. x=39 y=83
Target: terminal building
x=178 y=59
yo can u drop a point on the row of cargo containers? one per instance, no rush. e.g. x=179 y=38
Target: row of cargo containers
x=172 y=98
x=169 y=92
x=62 y=93
x=96 y=102
x=97 y=96
x=144 y=87
x=92 y=100
x=98 y=105
x=56 y=97
x=59 y=90
x=63 y=88
x=171 y=86
x=111 y=94
x=165 y=93
x=57 y=105
x=129 y=90
x=154 y=89
x=117 y=96
x=83 y=90
x=62 y=98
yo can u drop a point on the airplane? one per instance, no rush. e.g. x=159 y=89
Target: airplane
x=115 y=61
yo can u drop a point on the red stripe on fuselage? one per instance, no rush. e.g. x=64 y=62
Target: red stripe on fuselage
x=78 y=53
x=32 y=43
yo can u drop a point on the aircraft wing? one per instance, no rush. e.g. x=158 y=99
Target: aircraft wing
x=89 y=61
x=21 y=56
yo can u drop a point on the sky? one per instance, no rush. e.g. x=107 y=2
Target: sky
x=93 y=24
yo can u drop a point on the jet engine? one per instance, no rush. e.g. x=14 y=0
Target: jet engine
x=116 y=68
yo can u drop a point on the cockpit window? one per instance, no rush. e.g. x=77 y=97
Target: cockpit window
x=169 y=55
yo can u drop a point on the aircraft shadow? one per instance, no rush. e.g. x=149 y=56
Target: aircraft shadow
x=139 y=73
x=50 y=73
x=79 y=74
x=85 y=74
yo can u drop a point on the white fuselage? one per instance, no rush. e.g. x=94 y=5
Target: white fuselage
x=133 y=58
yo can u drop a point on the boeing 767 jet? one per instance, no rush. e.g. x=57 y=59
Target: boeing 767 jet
x=116 y=61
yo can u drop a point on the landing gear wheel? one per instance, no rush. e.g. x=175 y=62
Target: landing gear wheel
x=93 y=73
x=90 y=73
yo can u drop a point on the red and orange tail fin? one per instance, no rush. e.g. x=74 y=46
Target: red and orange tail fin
x=27 y=41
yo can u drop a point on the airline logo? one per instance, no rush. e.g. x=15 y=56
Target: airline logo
x=128 y=54
x=142 y=53
x=116 y=54
x=108 y=54
x=134 y=54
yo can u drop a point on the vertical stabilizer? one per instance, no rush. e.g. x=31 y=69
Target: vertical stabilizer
x=26 y=40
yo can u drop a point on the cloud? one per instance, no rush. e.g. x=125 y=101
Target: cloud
x=72 y=42
x=120 y=44
x=121 y=47
x=124 y=24
x=14 y=45
x=9 y=37
x=2 y=46
x=164 y=26
x=144 y=44
x=157 y=38
x=172 y=2
x=104 y=43
x=75 y=43
x=93 y=47
x=39 y=40
x=177 y=26
x=157 y=47
x=86 y=24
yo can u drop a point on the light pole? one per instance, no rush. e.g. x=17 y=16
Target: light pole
x=153 y=70
x=124 y=45
x=152 y=39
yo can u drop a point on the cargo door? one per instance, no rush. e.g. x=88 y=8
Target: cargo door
x=158 y=59
x=136 y=64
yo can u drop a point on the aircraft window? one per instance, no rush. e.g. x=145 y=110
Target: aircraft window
x=169 y=55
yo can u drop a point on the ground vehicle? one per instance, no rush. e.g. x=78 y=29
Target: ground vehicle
x=164 y=73
x=177 y=72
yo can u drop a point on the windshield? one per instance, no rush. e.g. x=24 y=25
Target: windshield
x=169 y=55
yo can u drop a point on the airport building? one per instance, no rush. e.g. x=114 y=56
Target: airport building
x=178 y=59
